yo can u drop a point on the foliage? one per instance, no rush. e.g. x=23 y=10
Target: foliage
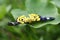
x=11 y=9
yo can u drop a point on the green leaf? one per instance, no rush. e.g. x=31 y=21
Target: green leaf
x=34 y=6
x=56 y=21
x=8 y=8
x=58 y=38
x=43 y=8
x=56 y=3
x=17 y=12
x=41 y=38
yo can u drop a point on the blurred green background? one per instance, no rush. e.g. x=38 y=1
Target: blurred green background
x=11 y=9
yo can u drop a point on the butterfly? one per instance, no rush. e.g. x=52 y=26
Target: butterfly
x=32 y=18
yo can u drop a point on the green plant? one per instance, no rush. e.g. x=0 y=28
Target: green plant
x=11 y=9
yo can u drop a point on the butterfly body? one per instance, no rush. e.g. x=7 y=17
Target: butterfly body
x=32 y=18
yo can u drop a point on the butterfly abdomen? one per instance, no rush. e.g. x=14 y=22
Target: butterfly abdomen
x=47 y=18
